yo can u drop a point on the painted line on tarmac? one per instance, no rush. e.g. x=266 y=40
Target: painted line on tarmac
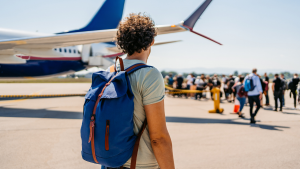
x=40 y=95
x=19 y=100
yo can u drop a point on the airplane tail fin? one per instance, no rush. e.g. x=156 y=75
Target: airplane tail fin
x=107 y=17
x=191 y=21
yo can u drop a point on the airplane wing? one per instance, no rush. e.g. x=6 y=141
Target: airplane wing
x=60 y=40
x=117 y=50
x=89 y=37
x=72 y=39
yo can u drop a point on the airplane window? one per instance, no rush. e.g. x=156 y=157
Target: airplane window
x=55 y=49
x=65 y=50
x=70 y=51
x=78 y=52
x=74 y=50
x=60 y=50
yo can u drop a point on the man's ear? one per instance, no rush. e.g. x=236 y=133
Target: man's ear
x=152 y=43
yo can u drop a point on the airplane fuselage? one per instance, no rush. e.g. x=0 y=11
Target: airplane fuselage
x=64 y=60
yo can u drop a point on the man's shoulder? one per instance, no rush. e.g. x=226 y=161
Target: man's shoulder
x=149 y=74
x=151 y=70
x=255 y=77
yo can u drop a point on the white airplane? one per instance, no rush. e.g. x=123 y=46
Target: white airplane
x=31 y=54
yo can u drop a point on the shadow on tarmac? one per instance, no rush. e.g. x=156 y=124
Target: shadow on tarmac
x=290 y=113
x=220 y=121
x=39 y=113
x=45 y=113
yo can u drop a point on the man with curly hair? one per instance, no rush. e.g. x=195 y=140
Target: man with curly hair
x=135 y=37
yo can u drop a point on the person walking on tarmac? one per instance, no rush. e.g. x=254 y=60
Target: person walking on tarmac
x=198 y=85
x=190 y=79
x=210 y=85
x=298 y=91
x=230 y=84
x=255 y=95
x=263 y=85
x=240 y=94
x=225 y=87
x=179 y=81
x=284 y=88
x=277 y=87
x=170 y=80
x=294 y=85
x=267 y=89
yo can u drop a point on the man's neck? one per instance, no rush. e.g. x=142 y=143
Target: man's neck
x=143 y=56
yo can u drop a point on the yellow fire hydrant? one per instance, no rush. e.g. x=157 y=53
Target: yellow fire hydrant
x=216 y=97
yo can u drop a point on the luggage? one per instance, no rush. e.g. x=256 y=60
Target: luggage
x=107 y=126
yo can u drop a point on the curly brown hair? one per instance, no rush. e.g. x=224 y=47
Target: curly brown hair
x=136 y=33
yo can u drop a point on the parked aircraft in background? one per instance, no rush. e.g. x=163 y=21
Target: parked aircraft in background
x=28 y=54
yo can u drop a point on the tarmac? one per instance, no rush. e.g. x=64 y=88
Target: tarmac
x=44 y=133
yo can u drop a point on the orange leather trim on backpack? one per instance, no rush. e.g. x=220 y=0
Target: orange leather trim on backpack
x=121 y=63
x=136 y=146
x=112 y=68
x=132 y=67
x=92 y=123
x=93 y=147
x=107 y=135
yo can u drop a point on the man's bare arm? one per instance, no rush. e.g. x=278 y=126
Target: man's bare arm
x=159 y=135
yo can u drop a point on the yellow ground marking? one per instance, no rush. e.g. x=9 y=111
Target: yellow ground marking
x=179 y=91
x=19 y=100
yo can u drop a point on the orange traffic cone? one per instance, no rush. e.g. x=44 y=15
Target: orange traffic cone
x=236 y=106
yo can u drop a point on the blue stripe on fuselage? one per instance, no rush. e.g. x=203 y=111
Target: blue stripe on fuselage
x=37 y=68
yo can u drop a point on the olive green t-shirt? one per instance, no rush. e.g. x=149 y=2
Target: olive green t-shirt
x=147 y=85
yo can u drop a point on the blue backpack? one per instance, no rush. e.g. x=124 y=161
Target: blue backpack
x=249 y=86
x=107 y=126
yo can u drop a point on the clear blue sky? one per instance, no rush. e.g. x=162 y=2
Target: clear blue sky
x=255 y=33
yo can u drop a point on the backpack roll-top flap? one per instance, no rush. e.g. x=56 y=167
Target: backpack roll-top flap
x=117 y=88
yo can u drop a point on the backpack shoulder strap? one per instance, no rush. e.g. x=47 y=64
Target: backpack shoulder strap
x=131 y=69
x=136 y=67
x=136 y=146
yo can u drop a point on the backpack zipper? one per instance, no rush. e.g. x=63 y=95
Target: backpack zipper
x=107 y=136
